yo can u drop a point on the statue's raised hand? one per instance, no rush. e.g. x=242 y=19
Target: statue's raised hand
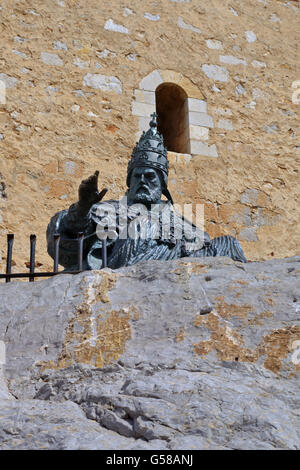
x=88 y=192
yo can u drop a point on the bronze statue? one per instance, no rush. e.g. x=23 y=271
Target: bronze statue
x=139 y=227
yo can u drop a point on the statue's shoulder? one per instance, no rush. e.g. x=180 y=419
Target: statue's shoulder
x=55 y=224
x=56 y=218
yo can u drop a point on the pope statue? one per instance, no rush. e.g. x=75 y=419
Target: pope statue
x=141 y=226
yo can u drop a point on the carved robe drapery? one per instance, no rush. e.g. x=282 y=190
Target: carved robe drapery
x=163 y=235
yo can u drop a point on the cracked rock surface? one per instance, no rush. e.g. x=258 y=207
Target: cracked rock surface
x=185 y=354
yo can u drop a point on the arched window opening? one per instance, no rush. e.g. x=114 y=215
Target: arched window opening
x=173 y=117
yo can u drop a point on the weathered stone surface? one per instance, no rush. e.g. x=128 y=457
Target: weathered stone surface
x=199 y=133
x=225 y=124
x=102 y=82
x=199 y=106
x=110 y=25
x=250 y=36
x=239 y=90
x=151 y=17
x=151 y=81
x=216 y=72
x=214 y=44
x=193 y=353
x=201 y=148
x=200 y=119
x=60 y=46
x=10 y=82
x=258 y=64
x=38 y=424
x=142 y=109
x=182 y=24
x=231 y=60
x=51 y=59
x=147 y=97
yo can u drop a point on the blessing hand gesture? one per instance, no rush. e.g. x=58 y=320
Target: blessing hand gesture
x=88 y=191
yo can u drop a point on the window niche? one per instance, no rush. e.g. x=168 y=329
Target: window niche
x=182 y=113
x=173 y=117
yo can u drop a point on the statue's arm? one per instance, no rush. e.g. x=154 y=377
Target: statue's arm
x=67 y=224
x=77 y=218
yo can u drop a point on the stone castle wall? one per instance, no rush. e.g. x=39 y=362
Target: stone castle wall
x=80 y=80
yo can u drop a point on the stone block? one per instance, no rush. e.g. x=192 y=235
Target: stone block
x=187 y=26
x=199 y=133
x=51 y=59
x=2 y=92
x=200 y=119
x=20 y=54
x=214 y=44
x=106 y=53
x=144 y=123
x=257 y=94
x=201 y=148
x=258 y=64
x=151 y=81
x=250 y=36
x=179 y=158
x=144 y=96
x=223 y=111
x=239 y=90
x=215 y=72
x=60 y=46
x=142 y=109
x=51 y=90
x=249 y=196
x=272 y=129
x=231 y=60
x=131 y=57
x=198 y=106
x=225 y=124
x=110 y=25
x=189 y=87
x=103 y=82
x=70 y=167
x=151 y=17
x=9 y=82
x=127 y=11
x=81 y=63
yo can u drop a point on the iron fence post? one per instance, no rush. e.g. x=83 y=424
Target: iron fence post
x=56 y=238
x=32 y=257
x=80 y=237
x=10 y=242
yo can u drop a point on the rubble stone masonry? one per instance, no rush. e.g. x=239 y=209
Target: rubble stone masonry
x=78 y=84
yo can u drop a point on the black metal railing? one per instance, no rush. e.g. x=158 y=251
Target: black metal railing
x=31 y=275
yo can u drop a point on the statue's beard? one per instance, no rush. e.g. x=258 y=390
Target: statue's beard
x=146 y=195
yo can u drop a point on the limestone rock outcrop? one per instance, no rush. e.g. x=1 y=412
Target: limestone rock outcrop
x=78 y=82
x=186 y=354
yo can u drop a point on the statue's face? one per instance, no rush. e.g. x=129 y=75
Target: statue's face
x=145 y=186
